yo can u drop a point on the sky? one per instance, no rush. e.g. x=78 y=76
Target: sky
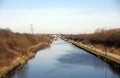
x=59 y=16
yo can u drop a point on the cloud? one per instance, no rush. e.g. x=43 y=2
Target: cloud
x=58 y=19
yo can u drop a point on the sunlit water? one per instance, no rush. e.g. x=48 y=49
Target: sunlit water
x=64 y=60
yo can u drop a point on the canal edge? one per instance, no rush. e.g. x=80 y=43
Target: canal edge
x=114 y=62
x=21 y=61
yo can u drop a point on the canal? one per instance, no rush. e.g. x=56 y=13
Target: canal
x=64 y=60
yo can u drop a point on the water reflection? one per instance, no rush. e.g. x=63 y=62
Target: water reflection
x=63 y=60
x=82 y=59
x=23 y=71
x=59 y=67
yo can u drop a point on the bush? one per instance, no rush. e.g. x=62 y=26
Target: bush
x=16 y=44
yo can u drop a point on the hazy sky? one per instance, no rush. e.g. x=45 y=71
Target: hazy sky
x=59 y=16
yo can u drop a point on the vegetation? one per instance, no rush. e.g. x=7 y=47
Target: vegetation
x=13 y=45
x=99 y=54
x=101 y=39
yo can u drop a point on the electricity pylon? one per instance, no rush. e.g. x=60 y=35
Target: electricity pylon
x=31 y=29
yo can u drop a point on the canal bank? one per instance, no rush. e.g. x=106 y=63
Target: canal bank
x=20 y=61
x=112 y=60
x=64 y=60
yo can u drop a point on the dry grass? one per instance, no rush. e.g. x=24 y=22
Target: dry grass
x=101 y=39
x=13 y=45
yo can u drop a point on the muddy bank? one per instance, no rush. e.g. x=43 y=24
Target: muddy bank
x=19 y=61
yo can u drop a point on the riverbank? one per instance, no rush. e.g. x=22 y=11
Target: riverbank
x=112 y=59
x=19 y=61
x=17 y=48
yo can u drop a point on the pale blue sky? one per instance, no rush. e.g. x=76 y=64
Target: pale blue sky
x=59 y=16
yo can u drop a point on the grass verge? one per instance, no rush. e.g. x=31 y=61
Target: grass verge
x=96 y=53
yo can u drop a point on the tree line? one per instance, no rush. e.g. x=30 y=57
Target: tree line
x=109 y=37
x=13 y=44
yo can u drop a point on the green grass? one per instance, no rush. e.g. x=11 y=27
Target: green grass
x=97 y=53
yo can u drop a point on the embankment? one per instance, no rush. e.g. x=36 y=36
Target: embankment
x=19 y=61
x=17 y=48
x=113 y=60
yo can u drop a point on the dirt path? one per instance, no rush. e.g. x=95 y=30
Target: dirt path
x=100 y=51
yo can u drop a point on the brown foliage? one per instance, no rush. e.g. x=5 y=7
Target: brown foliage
x=16 y=44
x=108 y=38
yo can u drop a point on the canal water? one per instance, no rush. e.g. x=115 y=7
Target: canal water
x=64 y=60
